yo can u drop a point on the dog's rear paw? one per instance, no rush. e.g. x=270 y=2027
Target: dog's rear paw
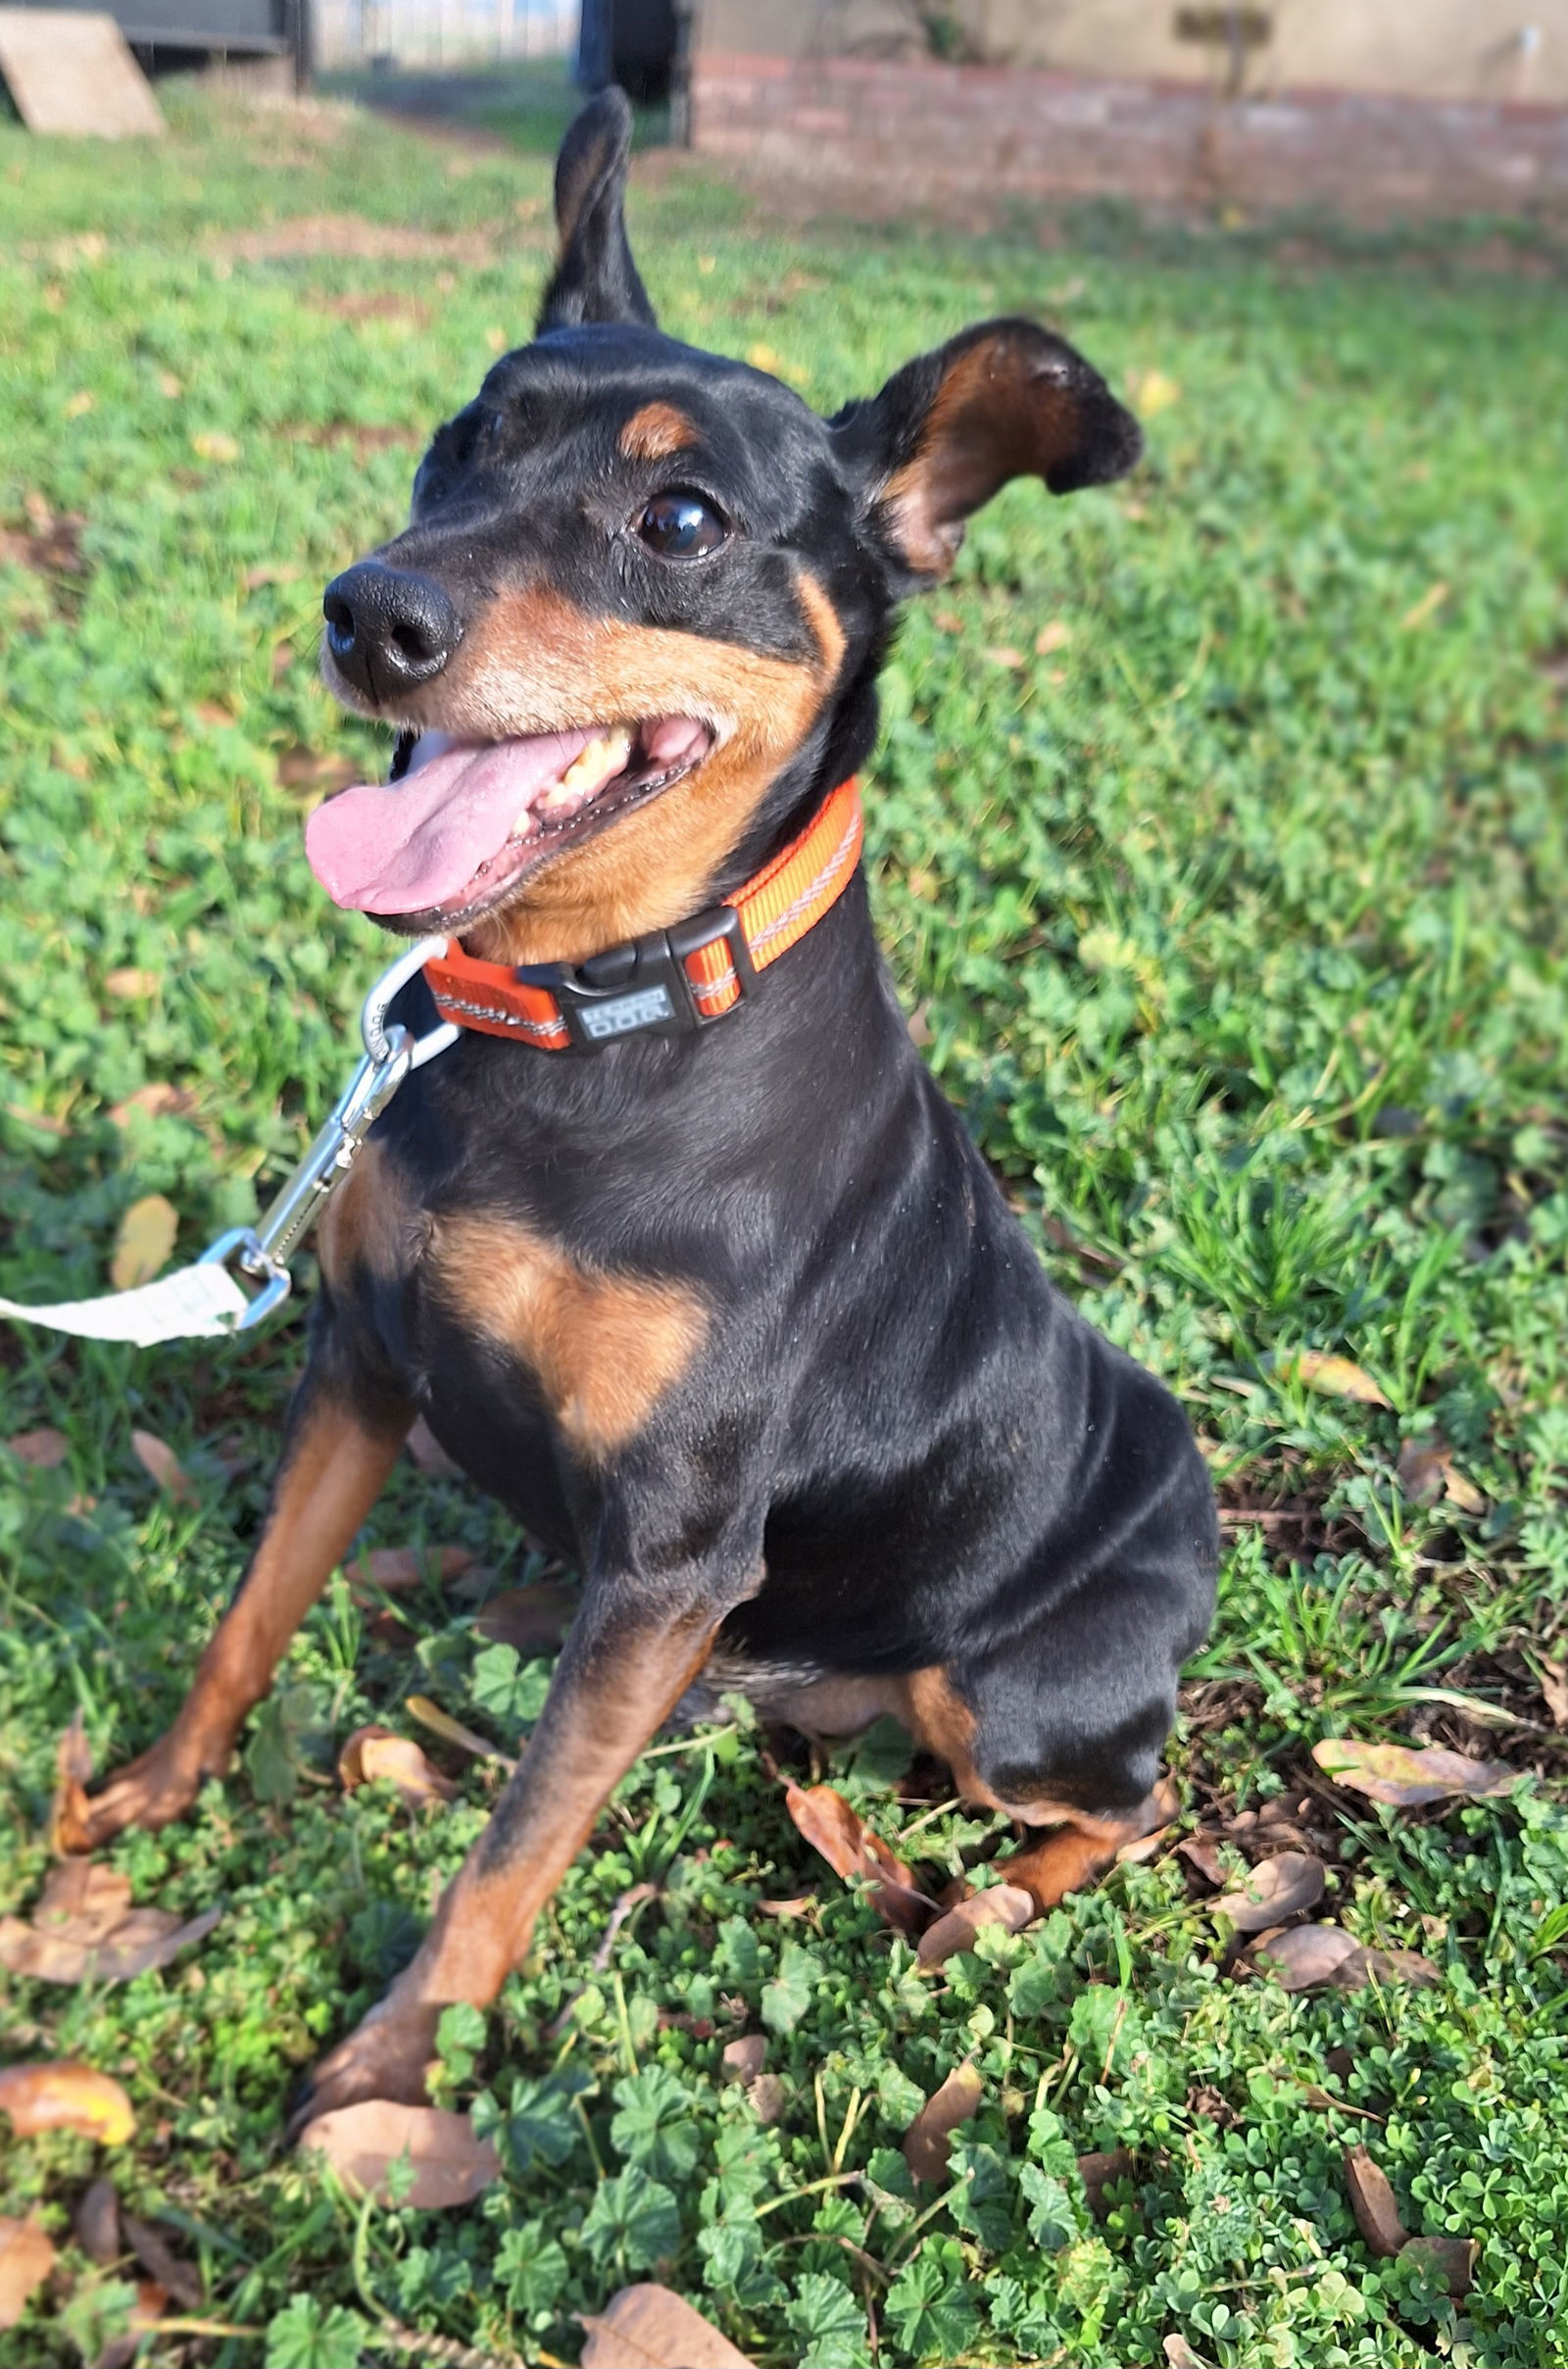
x=386 y=2055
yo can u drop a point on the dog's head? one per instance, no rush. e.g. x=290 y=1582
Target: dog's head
x=633 y=626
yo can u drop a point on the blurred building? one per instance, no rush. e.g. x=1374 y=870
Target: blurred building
x=437 y=33
x=1375 y=107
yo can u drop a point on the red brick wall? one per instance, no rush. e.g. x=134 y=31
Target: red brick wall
x=925 y=131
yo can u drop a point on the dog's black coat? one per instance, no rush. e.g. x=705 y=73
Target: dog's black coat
x=930 y=1456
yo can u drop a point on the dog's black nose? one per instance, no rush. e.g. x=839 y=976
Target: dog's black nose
x=388 y=628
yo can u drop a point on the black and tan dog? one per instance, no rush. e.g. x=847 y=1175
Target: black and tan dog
x=680 y=1250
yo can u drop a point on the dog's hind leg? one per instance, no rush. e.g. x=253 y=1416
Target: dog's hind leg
x=336 y=1457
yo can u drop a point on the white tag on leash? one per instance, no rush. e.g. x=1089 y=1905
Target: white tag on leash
x=192 y=1304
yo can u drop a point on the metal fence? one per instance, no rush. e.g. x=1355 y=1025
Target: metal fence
x=438 y=33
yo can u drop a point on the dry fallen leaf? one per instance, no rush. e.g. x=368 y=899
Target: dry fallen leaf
x=851 y=1850
x=767 y=2097
x=1054 y=636
x=124 y=2351
x=159 y=2261
x=143 y=1939
x=1335 y=1378
x=1372 y=2201
x=159 y=1101
x=1306 y=1956
x=82 y=1900
x=744 y=2058
x=157 y=1458
x=1001 y=653
x=647 y=2327
x=1006 y=1904
x=396 y=1569
x=1276 y=1889
x=95 y=2223
x=65 y=2096
x=1179 y=2355
x=1452 y=2258
x=144 y=1241
x=533 y=1619
x=129 y=985
x=69 y=1811
x=1553 y=1686
x=1201 y=1852
x=374 y=1752
x=302 y=769
x=802 y=1905
x=1426 y=1472
x=27 y=2258
x=440 y=1723
x=928 y=2140
x=1097 y=2171
x=361 y=2142
x=1363 y=1966
x=45 y=1448
x=1407 y=1778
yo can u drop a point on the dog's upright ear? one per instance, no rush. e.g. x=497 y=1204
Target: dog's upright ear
x=595 y=277
x=1004 y=398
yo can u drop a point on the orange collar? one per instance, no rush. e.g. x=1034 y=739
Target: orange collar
x=671 y=980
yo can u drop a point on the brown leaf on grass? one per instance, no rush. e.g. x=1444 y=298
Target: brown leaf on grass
x=802 y=1905
x=69 y=1811
x=44 y=1449
x=160 y=1099
x=744 y=2058
x=1144 y=1848
x=1407 y=1778
x=144 y=1939
x=1372 y=2201
x=928 y=2141
x=1179 y=2355
x=82 y=1900
x=1306 y=1956
x=1001 y=654
x=1201 y=1852
x=440 y=1723
x=301 y=768
x=533 y=1619
x=27 y=2258
x=1277 y=1888
x=1453 y=2259
x=397 y=1569
x=157 y=1458
x=852 y=1851
x=144 y=1241
x=1363 y=1966
x=1427 y=1472
x=1553 y=1686
x=1053 y=637
x=128 y=986
x=1335 y=1378
x=1007 y=1904
x=646 y=2327
x=159 y=2261
x=767 y=2097
x=122 y=2351
x=95 y=2222
x=372 y=1754
x=361 y=2142
x=65 y=2096
x=1097 y=2172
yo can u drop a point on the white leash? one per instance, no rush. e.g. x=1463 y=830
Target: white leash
x=196 y=1302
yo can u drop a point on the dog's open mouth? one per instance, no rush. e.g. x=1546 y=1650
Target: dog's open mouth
x=467 y=819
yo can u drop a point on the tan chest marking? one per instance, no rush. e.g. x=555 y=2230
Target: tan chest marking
x=605 y=1347
x=369 y=1222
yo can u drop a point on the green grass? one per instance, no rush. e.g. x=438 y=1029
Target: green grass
x=1235 y=923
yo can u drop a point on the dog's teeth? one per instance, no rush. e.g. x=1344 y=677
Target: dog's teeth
x=604 y=754
x=524 y=822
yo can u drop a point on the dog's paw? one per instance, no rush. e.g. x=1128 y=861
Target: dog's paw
x=152 y=1791
x=386 y=2055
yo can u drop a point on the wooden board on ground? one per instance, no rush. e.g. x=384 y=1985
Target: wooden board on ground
x=72 y=72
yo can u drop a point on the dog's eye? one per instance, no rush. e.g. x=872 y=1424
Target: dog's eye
x=681 y=526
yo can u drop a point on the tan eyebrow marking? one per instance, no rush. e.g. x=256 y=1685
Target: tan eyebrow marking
x=657 y=431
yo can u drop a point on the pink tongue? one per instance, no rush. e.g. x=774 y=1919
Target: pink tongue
x=404 y=846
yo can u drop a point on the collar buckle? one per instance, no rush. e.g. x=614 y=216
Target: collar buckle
x=645 y=988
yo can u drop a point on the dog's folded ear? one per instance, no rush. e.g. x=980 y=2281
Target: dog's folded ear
x=1004 y=398
x=595 y=277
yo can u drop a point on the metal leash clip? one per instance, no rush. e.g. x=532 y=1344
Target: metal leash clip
x=262 y=1251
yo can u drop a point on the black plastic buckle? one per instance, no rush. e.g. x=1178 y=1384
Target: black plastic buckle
x=642 y=988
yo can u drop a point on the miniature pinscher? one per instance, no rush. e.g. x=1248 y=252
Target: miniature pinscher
x=678 y=1249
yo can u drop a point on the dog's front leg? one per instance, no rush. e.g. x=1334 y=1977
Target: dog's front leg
x=338 y=1449
x=632 y=1651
